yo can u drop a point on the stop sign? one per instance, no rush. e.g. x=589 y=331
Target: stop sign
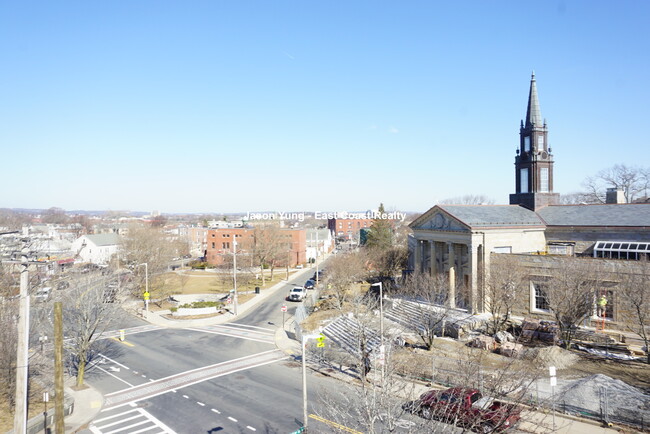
x=283 y=308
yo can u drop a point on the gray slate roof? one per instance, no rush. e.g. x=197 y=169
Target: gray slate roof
x=104 y=239
x=634 y=214
x=493 y=215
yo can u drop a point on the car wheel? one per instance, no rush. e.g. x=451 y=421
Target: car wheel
x=487 y=428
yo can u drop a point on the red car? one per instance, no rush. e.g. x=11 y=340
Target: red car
x=467 y=407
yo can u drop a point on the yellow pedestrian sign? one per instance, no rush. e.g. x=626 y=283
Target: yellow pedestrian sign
x=146 y=295
x=321 y=341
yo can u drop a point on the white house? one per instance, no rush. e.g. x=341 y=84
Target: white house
x=96 y=249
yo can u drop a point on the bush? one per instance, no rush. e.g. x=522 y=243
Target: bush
x=173 y=309
x=200 y=304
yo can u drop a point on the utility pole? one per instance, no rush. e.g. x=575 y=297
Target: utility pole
x=59 y=425
x=234 y=271
x=317 y=276
x=20 y=415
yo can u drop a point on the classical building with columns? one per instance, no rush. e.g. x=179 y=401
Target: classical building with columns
x=458 y=241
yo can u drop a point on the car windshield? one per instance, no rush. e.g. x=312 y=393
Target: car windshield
x=297 y=289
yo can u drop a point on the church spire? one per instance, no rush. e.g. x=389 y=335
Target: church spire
x=534 y=161
x=533 y=114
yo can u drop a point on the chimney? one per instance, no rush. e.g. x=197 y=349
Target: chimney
x=615 y=195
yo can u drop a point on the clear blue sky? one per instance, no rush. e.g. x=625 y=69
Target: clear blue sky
x=224 y=106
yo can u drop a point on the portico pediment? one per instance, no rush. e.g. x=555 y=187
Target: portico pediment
x=439 y=220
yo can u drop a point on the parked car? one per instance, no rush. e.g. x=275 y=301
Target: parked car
x=320 y=275
x=310 y=284
x=298 y=293
x=467 y=407
x=42 y=295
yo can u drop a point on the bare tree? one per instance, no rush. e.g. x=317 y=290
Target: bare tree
x=503 y=289
x=570 y=293
x=269 y=247
x=344 y=270
x=146 y=244
x=633 y=180
x=86 y=315
x=635 y=291
x=468 y=199
x=429 y=311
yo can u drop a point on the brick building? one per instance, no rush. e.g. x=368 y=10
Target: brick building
x=285 y=245
x=347 y=229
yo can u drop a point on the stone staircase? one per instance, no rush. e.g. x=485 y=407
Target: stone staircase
x=413 y=316
x=347 y=332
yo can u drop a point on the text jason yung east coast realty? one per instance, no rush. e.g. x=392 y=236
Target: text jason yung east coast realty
x=300 y=216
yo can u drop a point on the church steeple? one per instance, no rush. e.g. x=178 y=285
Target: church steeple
x=533 y=114
x=534 y=161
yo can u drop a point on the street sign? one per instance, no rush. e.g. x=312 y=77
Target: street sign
x=146 y=295
x=228 y=300
x=283 y=308
x=321 y=341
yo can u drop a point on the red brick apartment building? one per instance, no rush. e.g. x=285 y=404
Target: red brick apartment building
x=347 y=229
x=292 y=244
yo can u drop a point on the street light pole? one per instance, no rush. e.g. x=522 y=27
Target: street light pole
x=305 y=416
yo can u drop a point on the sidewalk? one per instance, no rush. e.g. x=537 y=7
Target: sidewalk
x=87 y=404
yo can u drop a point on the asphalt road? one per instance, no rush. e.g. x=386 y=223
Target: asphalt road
x=228 y=378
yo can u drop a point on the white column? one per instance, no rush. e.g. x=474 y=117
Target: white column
x=474 y=270
x=451 y=268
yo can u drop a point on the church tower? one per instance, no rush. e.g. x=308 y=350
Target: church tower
x=534 y=161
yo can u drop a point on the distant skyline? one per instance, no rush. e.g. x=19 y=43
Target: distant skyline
x=223 y=107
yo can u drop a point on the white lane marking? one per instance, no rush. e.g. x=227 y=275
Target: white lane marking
x=248 y=338
x=186 y=397
x=232 y=418
x=228 y=362
x=145 y=429
x=113 y=416
x=151 y=379
x=117 y=422
x=113 y=361
x=250 y=428
x=114 y=376
x=158 y=423
x=232 y=324
x=144 y=376
x=215 y=410
x=126 y=428
x=94 y=430
x=200 y=403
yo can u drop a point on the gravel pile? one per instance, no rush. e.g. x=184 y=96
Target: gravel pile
x=597 y=392
x=551 y=356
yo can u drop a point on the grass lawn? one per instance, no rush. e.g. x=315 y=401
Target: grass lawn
x=201 y=282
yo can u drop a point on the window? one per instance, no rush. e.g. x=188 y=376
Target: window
x=225 y=245
x=543 y=180
x=540 y=297
x=213 y=245
x=540 y=143
x=527 y=144
x=523 y=180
